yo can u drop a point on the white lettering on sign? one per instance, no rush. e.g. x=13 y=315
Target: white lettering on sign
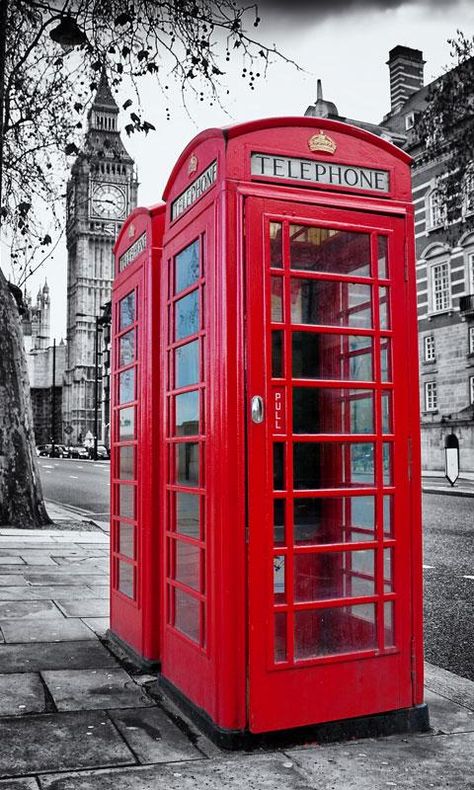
x=133 y=251
x=349 y=176
x=199 y=186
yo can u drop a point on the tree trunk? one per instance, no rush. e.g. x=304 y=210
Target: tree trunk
x=21 y=499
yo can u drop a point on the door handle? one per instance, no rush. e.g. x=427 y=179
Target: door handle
x=256 y=409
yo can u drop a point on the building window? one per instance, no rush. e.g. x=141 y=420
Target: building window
x=410 y=120
x=471 y=339
x=468 y=191
x=471 y=390
x=470 y=271
x=436 y=209
x=431 y=396
x=440 y=288
x=429 y=342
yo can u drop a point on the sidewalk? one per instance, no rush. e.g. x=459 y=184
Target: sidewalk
x=436 y=483
x=73 y=718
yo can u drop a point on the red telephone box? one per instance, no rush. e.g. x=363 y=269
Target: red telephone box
x=289 y=495
x=135 y=380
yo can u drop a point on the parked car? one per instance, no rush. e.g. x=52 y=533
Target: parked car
x=47 y=450
x=102 y=451
x=78 y=452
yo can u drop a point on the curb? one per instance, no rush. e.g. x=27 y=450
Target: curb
x=447 y=491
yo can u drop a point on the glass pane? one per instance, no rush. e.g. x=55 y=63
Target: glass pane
x=279 y=585
x=127 y=348
x=187 y=515
x=327 y=250
x=187 y=315
x=127 y=385
x=330 y=303
x=126 y=579
x=279 y=522
x=126 y=539
x=384 y=308
x=277 y=298
x=387 y=462
x=277 y=354
x=334 y=519
x=385 y=359
x=340 y=574
x=186 y=614
x=127 y=424
x=127 y=310
x=387 y=412
x=389 y=624
x=382 y=254
x=187 y=464
x=186 y=267
x=188 y=564
x=127 y=463
x=339 y=357
x=187 y=414
x=388 y=570
x=332 y=465
x=127 y=501
x=276 y=260
x=344 y=629
x=324 y=410
x=278 y=466
x=388 y=515
x=187 y=364
x=280 y=636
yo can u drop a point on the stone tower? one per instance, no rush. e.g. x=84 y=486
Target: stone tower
x=101 y=192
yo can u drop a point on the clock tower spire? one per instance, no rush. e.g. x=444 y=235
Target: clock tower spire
x=101 y=192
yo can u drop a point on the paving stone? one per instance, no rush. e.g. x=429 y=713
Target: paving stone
x=89 y=654
x=11 y=560
x=246 y=772
x=153 y=737
x=12 y=579
x=44 y=630
x=2 y=638
x=19 y=784
x=90 y=689
x=24 y=610
x=60 y=742
x=39 y=593
x=99 y=625
x=90 y=607
x=447 y=716
x=48 y=578
x=38 y=558
x=21 y=693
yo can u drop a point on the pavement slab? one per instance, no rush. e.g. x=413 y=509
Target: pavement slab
x=21 y=693
x=245 y=772
x=89 y=654
x=90 y=689
x=447 y=716
x=60 y=742
x=90 y=607
x=61 y=577
x=153 y=737
x=12 y=579
x=25 y=610
x=28 y=783
x=39 y=593
x=38 y=558
x=99 y=625
x=44 y=630
x=13 y=559
x=449 y=685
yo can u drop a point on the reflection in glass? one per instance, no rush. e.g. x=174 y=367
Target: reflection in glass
x=278 y=522
x=331 y=356
x=187 y=413
x=186 y=614
x=187 y=315
x=127 y=501
x=188 y=564
x=382 y=254
x=387 y=463
x=388 y=570
x=186 y=267
x=279 y=585
x=330 y=303
x=126 y=537
x=278 y=466
x=187 y=464
x=276 y=260
x=187 y=515
x=385 y=359
x=277 y=353
x=127 y=385
x=324 y=410
x=332 y=465
x=388 y=515
x=280 y=637
x=384 y=308
x=387 y=412
x=389 y=624
x=187 y=364
x=327 y=250
x=340 y=574
x=126 y=462
x=127 y=423
x=127 y=348
x=342 y=629
x=126 y=578
x=127 y=310
x=334 y=519
x=277 y=298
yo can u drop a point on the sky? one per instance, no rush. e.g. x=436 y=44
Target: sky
x=345 y=43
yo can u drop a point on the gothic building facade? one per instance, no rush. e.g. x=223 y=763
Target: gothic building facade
x=101 y=191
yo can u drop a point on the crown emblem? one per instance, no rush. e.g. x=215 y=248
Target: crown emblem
x=192 y=164
x=321 y=142
x=131 y=231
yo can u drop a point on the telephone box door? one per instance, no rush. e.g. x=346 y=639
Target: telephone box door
x=328 y=389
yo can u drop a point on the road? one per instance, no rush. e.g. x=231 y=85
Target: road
x=82 y=485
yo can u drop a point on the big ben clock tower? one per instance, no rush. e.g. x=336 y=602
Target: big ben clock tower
x=101 y=192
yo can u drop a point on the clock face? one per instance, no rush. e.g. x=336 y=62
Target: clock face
x=108 y=201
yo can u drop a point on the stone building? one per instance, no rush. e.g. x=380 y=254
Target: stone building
x=101 y=192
